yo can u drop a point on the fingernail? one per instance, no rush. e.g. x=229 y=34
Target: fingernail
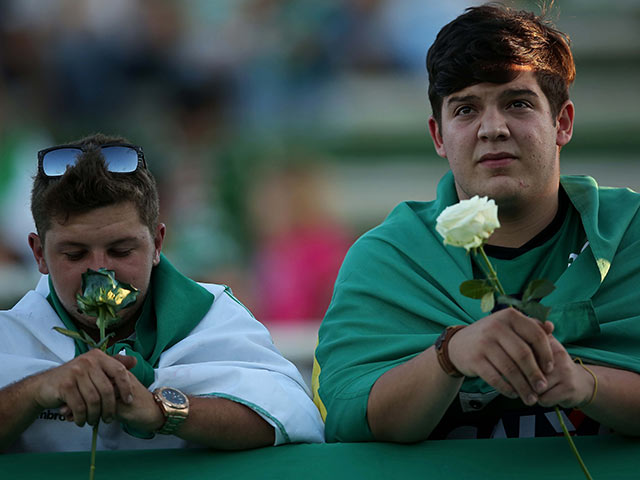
x=540 y=386
x=130 y=399
x=531 y=399
x=549 y=368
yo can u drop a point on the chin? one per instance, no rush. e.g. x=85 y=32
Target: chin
x=504 y=190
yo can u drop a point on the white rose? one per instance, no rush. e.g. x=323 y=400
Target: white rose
x=468 y=223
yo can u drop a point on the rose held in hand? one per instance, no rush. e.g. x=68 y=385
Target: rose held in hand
x=468 y=223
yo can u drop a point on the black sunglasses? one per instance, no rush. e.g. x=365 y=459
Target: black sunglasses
x=118 y=157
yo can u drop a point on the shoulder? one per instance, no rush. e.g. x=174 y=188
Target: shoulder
x=591 y=199
x=405 y=232
x=582 y=187
x=33 y=303
x=224 y=298
x=406 y=221
x=610 y=215
x=227 y=311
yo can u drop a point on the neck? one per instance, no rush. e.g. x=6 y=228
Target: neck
x=519 y=225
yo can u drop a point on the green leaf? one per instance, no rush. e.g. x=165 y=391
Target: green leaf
x=538 y=289
x=80 y=336
x=511 y=301
x=69 y=333
x=488 y=302
x=102 y=344
x=536 y=310
x=86 y=338
x=476 y=288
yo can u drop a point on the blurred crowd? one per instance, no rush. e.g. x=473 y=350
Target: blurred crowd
x=219 y=93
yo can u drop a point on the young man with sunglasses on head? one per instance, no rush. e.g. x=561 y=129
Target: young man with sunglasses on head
x=187 y=364
x=402 y=354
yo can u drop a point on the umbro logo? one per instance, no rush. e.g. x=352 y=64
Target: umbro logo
x=51 y=415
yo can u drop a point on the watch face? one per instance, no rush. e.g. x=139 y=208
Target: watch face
x=174 y=397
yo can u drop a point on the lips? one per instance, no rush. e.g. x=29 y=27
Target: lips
x=497 y=156
x=499 y=159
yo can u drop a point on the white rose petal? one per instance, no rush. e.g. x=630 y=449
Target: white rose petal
x=468 y=223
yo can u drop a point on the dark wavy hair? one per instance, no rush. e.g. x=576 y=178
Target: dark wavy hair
x=89 y=185
x=491 y=43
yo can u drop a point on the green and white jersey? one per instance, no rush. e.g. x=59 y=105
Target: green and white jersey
x=223 y=351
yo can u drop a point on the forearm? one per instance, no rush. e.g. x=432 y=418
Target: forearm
x=223 y=424
x=617 y=401
x=408 y=401
x=18 y=410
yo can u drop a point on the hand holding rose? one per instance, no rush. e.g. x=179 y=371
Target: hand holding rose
x=509 y=351
x=513 y=352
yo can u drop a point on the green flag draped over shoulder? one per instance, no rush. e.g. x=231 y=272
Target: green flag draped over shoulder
x=399 y=287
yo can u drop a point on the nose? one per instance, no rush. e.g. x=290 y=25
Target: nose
x=98 y=260
x=493 y=126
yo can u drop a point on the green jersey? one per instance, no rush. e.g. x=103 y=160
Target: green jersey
x=399 y=288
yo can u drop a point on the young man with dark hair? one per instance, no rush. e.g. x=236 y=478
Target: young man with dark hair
x=389 y=365
x=187 y=364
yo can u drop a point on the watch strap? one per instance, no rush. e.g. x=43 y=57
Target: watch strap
x=442 y=351
x=171 y=424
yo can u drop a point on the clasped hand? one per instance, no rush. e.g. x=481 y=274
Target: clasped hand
x=519 y=357
x=96 y=386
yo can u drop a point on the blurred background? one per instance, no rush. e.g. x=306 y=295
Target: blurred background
x=279 y=130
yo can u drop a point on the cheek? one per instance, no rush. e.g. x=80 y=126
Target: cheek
x=66 y=288
x=136 y=276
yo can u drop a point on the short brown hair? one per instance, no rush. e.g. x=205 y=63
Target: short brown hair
x=490 y=43
x=88 y=185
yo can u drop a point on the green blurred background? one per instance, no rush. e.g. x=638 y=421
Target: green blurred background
x=278 y=130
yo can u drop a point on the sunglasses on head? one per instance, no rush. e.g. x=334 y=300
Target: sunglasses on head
x=118 y=157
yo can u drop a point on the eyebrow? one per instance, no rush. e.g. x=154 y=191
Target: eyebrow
x=518 y=92
x=71 y=243
x=510 y=93
x=462 y=99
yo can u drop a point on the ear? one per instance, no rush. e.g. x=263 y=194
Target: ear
x=434 y=131
x=158 y=239
x=37 y=248
x=564 y=123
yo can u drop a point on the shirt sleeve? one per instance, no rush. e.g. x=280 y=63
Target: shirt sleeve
x=231 y=355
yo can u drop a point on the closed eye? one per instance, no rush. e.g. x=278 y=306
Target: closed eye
x=74 y=256
x=120 y=252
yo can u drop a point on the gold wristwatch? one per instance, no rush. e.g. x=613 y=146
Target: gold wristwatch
x=174 y=406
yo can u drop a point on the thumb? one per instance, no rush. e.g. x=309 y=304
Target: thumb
x=128 y=361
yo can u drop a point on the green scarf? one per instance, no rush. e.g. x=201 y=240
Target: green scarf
x=398 y=288
x=174 y=305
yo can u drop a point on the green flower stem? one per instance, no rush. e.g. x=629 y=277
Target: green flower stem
x=493 y=276
x=94 y=444
x=573 y=445
x=102 y=297
x=102 y=324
